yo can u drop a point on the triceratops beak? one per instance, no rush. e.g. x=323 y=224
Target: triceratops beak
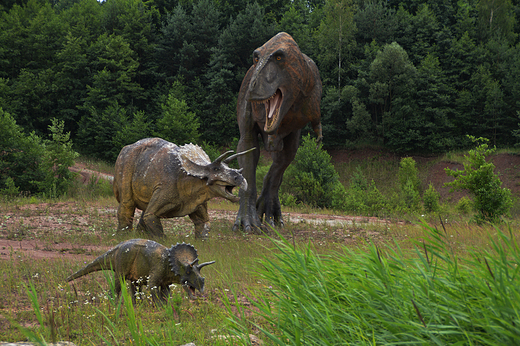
x=204 y=264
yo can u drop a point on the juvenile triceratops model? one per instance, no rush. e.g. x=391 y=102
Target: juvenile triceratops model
x=145 y=262
x=165 y=180
x=279 y=95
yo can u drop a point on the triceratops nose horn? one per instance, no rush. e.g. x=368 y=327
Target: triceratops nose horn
x=218 y=159
x=232 y=157
x=204 y=264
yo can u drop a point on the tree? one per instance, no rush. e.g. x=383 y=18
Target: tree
x=491 y=201
x=20 y=156
x=392 y=88
x=375 y=21
x=177 y=124
x=132 y=130
x=57 y=158
x=496 y=18
x=336 y=35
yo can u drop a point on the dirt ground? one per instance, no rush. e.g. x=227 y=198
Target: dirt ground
x=20 y=225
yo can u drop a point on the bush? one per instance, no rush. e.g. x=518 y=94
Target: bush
x=311 y=177
x=491 y=201
x=58 y=157
x=464 y=205
x=10 y=190
x=409 y=184
x=431 y=200
x=20 y=157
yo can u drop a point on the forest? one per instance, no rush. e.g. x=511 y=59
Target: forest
x=409 y=76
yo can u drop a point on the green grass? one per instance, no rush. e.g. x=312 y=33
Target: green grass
x=396 y=283
x=382 y=295
x=85 y=313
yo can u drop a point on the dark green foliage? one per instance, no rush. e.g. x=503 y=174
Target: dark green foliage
x=57 y=158
x=408 y=75
x=409 y=184
x=132 y=130
x=30 y=165
x=431 y=199
x=177 y=124
x=311 y=177
x=20 y=156
x=491 y=201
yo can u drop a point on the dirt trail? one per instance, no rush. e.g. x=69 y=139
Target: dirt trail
x=21 y=226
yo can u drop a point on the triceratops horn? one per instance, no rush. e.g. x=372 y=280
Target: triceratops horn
x=232 y=157
x=195 y=261
x=218 y=159
x=204 y=264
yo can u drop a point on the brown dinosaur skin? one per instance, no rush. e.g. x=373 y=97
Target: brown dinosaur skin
x=280 y=94
x=145 y=262
x=152 y=176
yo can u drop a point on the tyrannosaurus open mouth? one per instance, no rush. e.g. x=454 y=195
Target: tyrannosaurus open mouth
x=272 y=110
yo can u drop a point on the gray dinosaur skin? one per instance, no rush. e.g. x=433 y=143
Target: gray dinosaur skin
x=165 y=181
x=146 y=262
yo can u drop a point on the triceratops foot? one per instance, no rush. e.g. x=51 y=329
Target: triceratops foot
x=202 y=234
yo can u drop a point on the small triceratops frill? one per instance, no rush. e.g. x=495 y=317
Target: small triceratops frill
x=181 y=254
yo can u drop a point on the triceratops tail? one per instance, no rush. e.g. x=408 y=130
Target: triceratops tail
x=103 y=262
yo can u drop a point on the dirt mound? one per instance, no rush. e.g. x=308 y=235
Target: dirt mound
x=506 y=166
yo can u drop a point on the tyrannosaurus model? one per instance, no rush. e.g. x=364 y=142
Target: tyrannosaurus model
x=279 y=95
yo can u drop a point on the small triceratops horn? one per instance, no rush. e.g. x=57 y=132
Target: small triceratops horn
x=218 y=159
x=204 y=264
x=195 y=261
x=232 y=157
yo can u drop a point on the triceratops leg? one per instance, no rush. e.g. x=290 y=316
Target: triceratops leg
x=125 y=216
x=200 y=219
x=268 y=203
x=150 y=222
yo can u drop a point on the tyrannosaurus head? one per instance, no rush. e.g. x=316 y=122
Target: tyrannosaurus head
x=278 y=78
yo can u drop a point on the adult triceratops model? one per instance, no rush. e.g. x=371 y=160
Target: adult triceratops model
x=145 y=262
x=279 y=95
x=165 y=181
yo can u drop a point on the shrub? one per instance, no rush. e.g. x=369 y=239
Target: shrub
x=431 y=199
x=10 y=190
x=464 y=205
x=491 y=201
x=364 y=200
x=409 y=183
x=311 y=177
x=58 y=157
x=20 y=156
